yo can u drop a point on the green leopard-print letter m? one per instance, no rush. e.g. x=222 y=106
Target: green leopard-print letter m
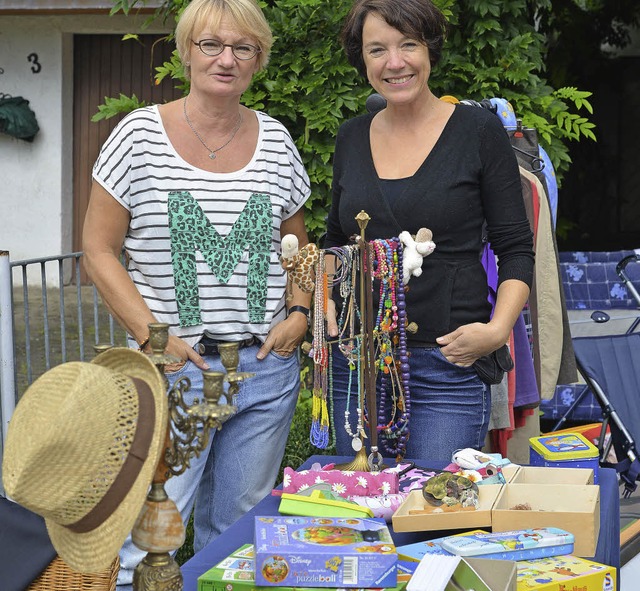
x=190 y=230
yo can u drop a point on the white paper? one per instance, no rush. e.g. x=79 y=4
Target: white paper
x=433 y=573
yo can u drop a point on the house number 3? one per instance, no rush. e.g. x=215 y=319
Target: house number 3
x=36 y=66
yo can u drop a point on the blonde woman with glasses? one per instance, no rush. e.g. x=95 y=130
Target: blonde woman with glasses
x=199 y=192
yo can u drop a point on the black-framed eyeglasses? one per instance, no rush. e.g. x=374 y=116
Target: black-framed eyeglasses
x=213 y=47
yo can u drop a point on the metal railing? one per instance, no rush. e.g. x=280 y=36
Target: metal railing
x=42 y=325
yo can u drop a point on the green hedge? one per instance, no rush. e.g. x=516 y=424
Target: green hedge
x=494 y=50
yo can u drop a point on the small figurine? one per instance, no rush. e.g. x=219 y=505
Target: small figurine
x=451 y=489
x=299 y=263
x=289 y=252
x=414 y=251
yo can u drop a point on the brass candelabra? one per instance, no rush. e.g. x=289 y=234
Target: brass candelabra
x=159 y=529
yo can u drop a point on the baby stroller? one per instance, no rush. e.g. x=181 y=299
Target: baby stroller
x=610 y=366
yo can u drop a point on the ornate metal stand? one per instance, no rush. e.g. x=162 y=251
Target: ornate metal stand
x=363 y=461
x=159 y=529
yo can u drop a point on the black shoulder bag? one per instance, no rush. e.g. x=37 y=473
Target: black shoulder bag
x=491 y=368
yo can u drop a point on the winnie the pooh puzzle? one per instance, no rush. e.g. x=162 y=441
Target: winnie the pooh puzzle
x=236 y=573
x=324 y=552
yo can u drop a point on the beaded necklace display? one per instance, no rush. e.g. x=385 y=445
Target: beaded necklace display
x=392 y=356
x=319 y=435
x=386 y=349
x=350 y=344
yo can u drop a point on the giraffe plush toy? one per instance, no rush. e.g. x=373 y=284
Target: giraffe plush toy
x=299 y=263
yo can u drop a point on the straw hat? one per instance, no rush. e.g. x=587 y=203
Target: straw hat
x=81 y=451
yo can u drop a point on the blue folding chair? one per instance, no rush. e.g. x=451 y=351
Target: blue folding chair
x=610 y=365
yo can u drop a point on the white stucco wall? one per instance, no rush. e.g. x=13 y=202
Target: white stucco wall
x=36 y=178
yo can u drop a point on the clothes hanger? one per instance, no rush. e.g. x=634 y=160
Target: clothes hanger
x=537 y=163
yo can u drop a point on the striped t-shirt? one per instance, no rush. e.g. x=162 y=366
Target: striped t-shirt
x=203 y=247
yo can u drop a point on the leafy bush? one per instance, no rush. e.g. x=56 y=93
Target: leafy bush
x=494 y=49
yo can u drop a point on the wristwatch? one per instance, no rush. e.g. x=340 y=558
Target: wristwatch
x=304 y=310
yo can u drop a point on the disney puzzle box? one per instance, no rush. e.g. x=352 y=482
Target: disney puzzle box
x=324 y=552
x=236 y=573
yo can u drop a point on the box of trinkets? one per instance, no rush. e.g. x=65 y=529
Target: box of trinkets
x=572 y=507
x=417 y=514
x=324 y=552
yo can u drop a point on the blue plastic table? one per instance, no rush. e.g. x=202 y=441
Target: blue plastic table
x=241 y=532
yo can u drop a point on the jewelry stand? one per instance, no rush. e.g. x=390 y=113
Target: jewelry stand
x=367 y=390
x=386 y=326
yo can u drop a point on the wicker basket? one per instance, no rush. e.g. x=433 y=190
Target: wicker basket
x=58 y=576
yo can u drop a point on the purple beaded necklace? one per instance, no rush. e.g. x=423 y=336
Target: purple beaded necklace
x=392 y=355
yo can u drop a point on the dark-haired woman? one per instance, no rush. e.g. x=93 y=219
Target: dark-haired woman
x=424 y=162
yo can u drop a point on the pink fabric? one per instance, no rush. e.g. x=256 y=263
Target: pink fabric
x=415 y=478
x=344 y=483
x=410 y=476
x=382 y=506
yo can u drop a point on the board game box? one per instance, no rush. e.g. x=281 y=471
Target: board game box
x=564 y=573
x=236 y=573
x=324 y=552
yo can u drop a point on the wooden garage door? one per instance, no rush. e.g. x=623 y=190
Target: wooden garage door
x=104 y=65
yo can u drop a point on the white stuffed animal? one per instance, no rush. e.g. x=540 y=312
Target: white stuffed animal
x=289 y=251
x=414 y=251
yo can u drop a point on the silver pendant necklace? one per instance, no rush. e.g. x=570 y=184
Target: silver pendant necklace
x=212 y=153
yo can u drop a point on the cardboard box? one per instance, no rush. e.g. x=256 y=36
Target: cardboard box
x=236 y=573
x=565 y=573
x=324 y=552
x=416 y=514
x=546 y=475
x=571 y=507
x=453 y=573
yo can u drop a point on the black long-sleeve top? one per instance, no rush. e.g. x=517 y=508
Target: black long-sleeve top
x=469 y=177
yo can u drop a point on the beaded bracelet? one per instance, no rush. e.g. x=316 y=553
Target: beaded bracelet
x=143 y=344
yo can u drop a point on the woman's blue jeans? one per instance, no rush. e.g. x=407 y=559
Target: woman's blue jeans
x=240 y=465
x=450 y=406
